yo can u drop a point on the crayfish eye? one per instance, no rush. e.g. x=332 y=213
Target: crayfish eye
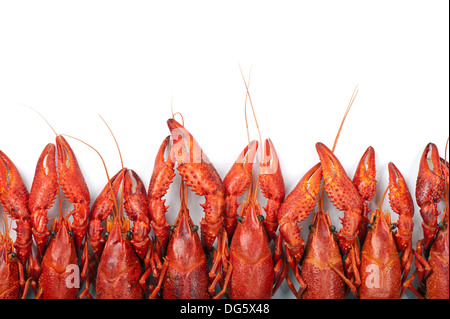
x=261 y=217
x=106 y=234
x=53 y=233
x=240 y=219
x=195 y=228
x=11 y=256
x=130 y=233
x=332 y=228
x=393 y=226
x=370 y=226
x=70 y=233
x=312 y=228
x=441 y=225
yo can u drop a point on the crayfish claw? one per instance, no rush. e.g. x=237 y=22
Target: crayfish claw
x=339 y=187
x=236 y=182
x=74 y=187
x=430 y=190
x=14 y=199
x=162 y=177
x=399 y=195
x=271 y=183
x=401 y=203
x=42 y=195
x=364 y=178
x=296 y=208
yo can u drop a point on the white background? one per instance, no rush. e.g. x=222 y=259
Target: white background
x=126 y=60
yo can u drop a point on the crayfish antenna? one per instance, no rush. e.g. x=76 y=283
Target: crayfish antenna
x=352 y=99
x=115 y=140
x=253 y=192
x=173 y=114
x=269 y=179
x=245 y=103
x=42 y=116
x=380 y=204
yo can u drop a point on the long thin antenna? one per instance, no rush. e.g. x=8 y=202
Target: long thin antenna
x=382 y=198
x=255 y=190
x=245 y=105
x=37 y=112
x=115 y=140
x=253 y=109
x=352 y=99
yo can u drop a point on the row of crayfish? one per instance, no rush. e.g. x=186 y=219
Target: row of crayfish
x=108 y=247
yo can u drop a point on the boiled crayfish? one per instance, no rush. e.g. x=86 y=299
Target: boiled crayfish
x=387 y=254
x=321 y=259
x=184 y=272
x=56 y=269
x=322 y=270
x=119 y=274
x=198 y=173
x=255 y=273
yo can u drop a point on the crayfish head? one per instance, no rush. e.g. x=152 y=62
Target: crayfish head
x=322 y=243
x=380 y=225
x=185 y=245
x=62 y=232
x=251 y=216
x=118 y=229
x=250 y=228
x=250 y=237
x=321 y=225
x=114 y=231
